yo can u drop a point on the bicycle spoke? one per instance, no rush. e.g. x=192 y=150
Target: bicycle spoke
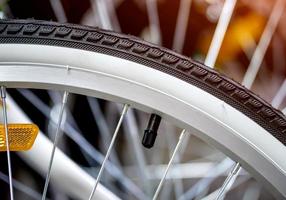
x=3 y=98
x=284 y=111
x=153 y=16
x=237 y=183
x=169 y=165
x=104 y=132
x=229 y=181
x=113 y=15
x=178 y=184
x=125 y=108
x=99 y=7
x=77 y=137
x=56 y=98
x=102 y=126
x=220 y=31
x=59 y=11
x=263 y=44
x=64 y=101
x=277 y=100
x=130 y=127
x=209 y=178
x=21 y=187
x=181 y=25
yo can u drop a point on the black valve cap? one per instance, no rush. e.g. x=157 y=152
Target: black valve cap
x=150 y=133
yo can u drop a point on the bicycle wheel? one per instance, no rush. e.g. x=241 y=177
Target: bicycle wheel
x=120 y=68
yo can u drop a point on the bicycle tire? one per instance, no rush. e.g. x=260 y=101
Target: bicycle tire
x=137 y=50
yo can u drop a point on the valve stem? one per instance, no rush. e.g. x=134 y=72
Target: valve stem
x=150 y=133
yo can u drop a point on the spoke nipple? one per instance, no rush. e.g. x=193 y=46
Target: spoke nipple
x=150 y=133
x=65 y=97
x=3 y=92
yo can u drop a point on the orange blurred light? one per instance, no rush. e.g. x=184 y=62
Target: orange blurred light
x=242 y=34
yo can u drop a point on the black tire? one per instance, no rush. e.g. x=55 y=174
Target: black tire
x=137 y=50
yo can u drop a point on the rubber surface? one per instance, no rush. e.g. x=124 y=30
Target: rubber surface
x=137 y=50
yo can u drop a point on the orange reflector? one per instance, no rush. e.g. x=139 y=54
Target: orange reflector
x=21 y=136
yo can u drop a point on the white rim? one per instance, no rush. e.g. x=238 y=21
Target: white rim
x=111 y=78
